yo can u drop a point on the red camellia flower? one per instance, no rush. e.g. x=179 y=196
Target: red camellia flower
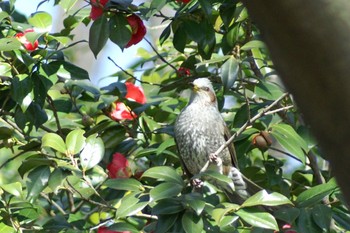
x=120 y=111
x=135 y=93
x=106 y=230
x=97 y=7
x=119 y=167
x=184 y=1
x=138 y=30
x=26 y=43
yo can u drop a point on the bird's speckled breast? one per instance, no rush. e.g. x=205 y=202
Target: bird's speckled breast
x=199 y=131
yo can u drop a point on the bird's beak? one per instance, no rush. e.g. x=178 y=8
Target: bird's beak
x=194 y=87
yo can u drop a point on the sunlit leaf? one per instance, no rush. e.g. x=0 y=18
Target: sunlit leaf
x=92 y=153
x=54 y=141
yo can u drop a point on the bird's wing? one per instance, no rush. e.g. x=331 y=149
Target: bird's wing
x=231 y=148
x=187 y=172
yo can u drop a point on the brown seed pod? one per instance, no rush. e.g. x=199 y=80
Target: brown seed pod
x=262 y=140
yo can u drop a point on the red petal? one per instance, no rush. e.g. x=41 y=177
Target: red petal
x=119 y=167
x=138 y=30
x=97 y=8
x=135 y=93
x=121 y=112
x=25 y=42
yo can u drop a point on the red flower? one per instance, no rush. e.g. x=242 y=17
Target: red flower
x=119 y=167
x=97 y=7
x=183 y=72
x=184 y=1
x=138 y=30
x=26 y=43
x=120 y=110
x=135 y=93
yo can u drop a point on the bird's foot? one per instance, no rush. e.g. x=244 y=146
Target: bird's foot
x=213 y=158
x=197 y=183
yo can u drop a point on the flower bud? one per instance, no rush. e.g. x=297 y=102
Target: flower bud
x=262 y=140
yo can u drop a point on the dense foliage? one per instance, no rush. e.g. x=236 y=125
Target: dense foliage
x=75 y=157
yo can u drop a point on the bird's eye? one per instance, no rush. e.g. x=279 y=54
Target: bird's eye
x=205 y=88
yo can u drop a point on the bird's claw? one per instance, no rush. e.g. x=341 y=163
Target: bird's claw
x=197 y=183
x=213 y=158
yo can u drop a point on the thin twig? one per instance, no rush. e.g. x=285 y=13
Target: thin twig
x=132 y=76
x=160 y=56
x=52 y=202
x=279 y=109
x=54 y=110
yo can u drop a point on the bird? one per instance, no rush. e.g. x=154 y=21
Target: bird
x=199 y=131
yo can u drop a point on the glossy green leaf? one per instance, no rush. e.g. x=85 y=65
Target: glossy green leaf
x=322 y=216
x=54 y=141
x=290 y=140
x=253 y=44
x=75 y=72
x=219 y=212
x=316 y=193
x=56 y=180
x=258 y=219
x=195 y=202
x=13 y=188
x=67 y=4
x=305 y=222
x=92 y=153
x=163 y=173
x=33 y=162
x=37 y=180
x=75 y=141
x=287 y=214
x=192 y=223
x=123 y=227
x=268 y=199
x=6 y=228
x=120 y=30
x=165 y=190
x=98 y=34
x=229 y=72
x=167 y=206
x=268 y=90
x=130 y=205
x=180 y=39
x=124 y=184
x=9 y=44
x=165 y=34
x=3 y=15
x=165 y=222
x=21 y=87
x=41 y=20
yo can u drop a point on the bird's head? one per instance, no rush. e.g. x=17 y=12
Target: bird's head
x=203 y=92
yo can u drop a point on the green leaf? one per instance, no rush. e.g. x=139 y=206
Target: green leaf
x=194 y=201
x=290 y=140
x=167 y=206
x=229 y=72
x=9 y=44
x=264 y=198
x=54 y=141
x=267 y=90
x=75 y=141
x=41 y=20
x=37 y=180
x=120 y=30
x=305 y=222
x=67 y=4
x=316 y=193
x=13 y=188
x=180 y=39
x=124 y=184
x=163 y=173
x=123 y=227
x=322 y=216
x=92 y=153
x=56 y=180
x=287 y=214
x=258 y=219
x=252 y=45
x=98 y=34
x=75 y=72
x=192 y=223
x=165 y=190
x=219 y=213
x=3 y=15
x=207 y=44
x=165 y=34
x=165 y=222
x=130 y=205
x=21 y=86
